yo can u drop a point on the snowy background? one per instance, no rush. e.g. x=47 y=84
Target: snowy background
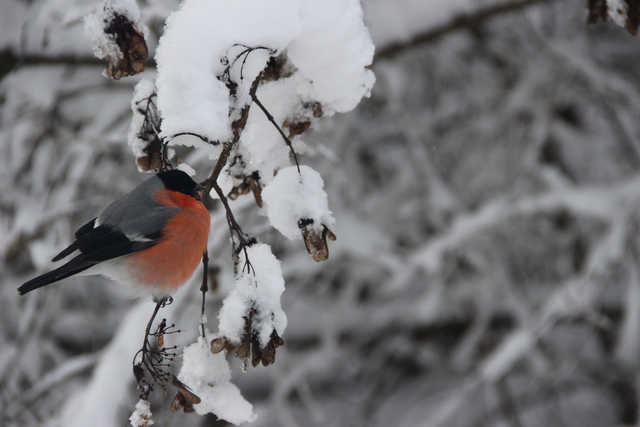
x=486 y=271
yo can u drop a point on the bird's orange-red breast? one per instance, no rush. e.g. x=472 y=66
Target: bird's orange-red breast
x=171 y=262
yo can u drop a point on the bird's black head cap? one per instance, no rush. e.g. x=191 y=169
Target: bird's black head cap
x=177 y=180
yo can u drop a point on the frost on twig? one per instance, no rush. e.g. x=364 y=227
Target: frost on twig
x=251 y=319
x=624 y=13
x=144 y=140
x=118 y=35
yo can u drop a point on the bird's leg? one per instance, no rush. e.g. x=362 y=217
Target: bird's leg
x=204 y=287
x=160 y=302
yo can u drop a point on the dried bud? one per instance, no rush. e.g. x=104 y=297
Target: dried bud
x=152 y=160
x=161 y=340
x=249 y=183
x=277 y=67
x=132 y=45
x=138 y=372
x=297 y=128
x=239 y=190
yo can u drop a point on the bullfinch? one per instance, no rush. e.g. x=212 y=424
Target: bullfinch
x=151 y=239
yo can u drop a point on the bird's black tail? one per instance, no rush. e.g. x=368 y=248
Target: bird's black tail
x=75 y=266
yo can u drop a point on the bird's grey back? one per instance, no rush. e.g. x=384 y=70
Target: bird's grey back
x=138 y=213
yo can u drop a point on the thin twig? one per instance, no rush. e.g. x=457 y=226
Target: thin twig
x=203 y=138
x=244 y=240
x=153 y=361
x=273 y=122
x=462 y=21
x=238 y=127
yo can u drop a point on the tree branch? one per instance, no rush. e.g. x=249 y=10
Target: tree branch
x=459 y=22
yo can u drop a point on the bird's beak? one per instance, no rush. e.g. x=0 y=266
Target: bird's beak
x=198 y=192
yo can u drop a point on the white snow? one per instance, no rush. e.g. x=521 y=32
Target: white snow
x=187 y=169
x=332 y=52
x=292 y=196
x=208 y=376
x=261 y=145
x=258 y=288
x=210 y=43
x=190 y=59
x=617 y=10
x=141 y=416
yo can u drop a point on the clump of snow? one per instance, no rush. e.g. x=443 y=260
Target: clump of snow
x=187 y=169
x=292 y=196
x=141 y=416
x=208 y=376
x=332 y=52
x=213 y=50
x=104 y=44
x=258 y=287
x=262 y=146
x=202 y=40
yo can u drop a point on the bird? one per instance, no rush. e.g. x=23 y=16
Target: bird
x=151 y=240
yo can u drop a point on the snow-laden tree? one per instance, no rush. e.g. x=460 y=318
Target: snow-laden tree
x=484 y=197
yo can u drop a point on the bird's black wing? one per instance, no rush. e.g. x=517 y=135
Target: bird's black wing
x=104 y=242
x=96 y=244
x=85 y=229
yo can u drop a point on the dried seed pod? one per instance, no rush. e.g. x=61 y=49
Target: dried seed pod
x=189 y=397
x=178 y=402
x=219 y=344
x=316 y=243
x=244 y=350
x=256 y=188
x=185 y=397
x=256 y=351
x=269 y=352
x=297 y=128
